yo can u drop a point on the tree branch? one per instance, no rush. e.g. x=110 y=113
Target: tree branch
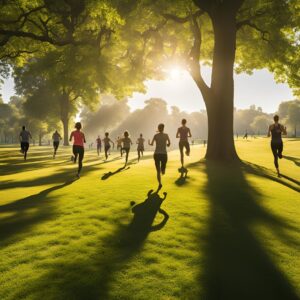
x=254 y=26
x=194 y=58
x=16 y=54
x=185 y=19
x=21 y=16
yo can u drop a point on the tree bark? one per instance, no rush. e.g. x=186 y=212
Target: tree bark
x=40 y=139
x=219 y=100
x=220 y=103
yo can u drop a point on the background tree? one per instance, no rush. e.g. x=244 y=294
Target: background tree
x=293 y=116
x=261 y=124
x=289 y=113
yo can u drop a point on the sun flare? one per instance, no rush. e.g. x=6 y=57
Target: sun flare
x=175 y=73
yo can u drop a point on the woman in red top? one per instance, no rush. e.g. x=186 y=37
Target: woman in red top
x=78 y=145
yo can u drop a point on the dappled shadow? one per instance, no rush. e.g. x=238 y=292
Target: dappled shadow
x=183 y=176
x=109 y=174
x=295 y=160
x=93 y=277
x=236 y=263
x=20 y=215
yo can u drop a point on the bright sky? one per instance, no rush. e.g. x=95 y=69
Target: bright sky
x=180 y=90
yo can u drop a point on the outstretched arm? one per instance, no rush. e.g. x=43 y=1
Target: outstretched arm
x=71 y=135
x=168 y=142
x=151 y=144
x=84 y=138
x=283 y=130
x=162 y=223
x=269 y=131
x=177 y=134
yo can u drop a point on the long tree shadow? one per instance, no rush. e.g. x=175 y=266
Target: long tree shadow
x=18 y=217
x=15 y=164
x=92 y=278
x=266 y=173
x=295 y=160
x=236 y=264
x=57 y=177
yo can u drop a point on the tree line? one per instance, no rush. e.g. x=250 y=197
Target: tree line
x=114 y=116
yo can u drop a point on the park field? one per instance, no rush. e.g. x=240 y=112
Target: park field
x=224 y=231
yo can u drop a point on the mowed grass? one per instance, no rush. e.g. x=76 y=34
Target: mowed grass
x=226 y=231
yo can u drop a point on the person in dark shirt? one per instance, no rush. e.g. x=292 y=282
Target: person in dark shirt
x=275 y=131
x=183 y=133
x=25 y=135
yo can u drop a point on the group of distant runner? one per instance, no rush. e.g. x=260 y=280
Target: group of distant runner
x=161 y=140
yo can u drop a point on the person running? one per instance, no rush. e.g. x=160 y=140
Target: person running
x=99 y=145
x=56 y=139
x=119 y=145
x=126 y=141
x=276 y=130
x=107 y=142
x=78 y=146
x=25 y=135
x=160 y=156
x=183 y=133
x=140 y=148
x=246 y=135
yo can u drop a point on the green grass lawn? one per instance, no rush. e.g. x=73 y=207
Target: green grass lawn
x=223 y=232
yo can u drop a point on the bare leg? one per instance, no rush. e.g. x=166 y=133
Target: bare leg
x=126 y=160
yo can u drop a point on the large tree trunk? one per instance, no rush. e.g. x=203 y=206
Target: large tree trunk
x=65 y=122
x=64 y=109
x=219 y=104
x=40 y=138
x=219 y=97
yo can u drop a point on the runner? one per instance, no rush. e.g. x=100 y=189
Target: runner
x=183 y=133
x=56 y=138
x=78 y=146
x=276 y=130
x=140 y=148
x=126 y=145
x=162 y=141
x=107 y=142
x=99 y=145
x=25 y=135
x=119 y=145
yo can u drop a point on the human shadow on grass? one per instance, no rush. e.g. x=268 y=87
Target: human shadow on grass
x=92 y=278
x=24 y=213
x=295 y=160
x=183 y=176
x=236 y=263
x=109 y=174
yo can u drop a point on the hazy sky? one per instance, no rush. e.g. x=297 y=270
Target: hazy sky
x=180 y=90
